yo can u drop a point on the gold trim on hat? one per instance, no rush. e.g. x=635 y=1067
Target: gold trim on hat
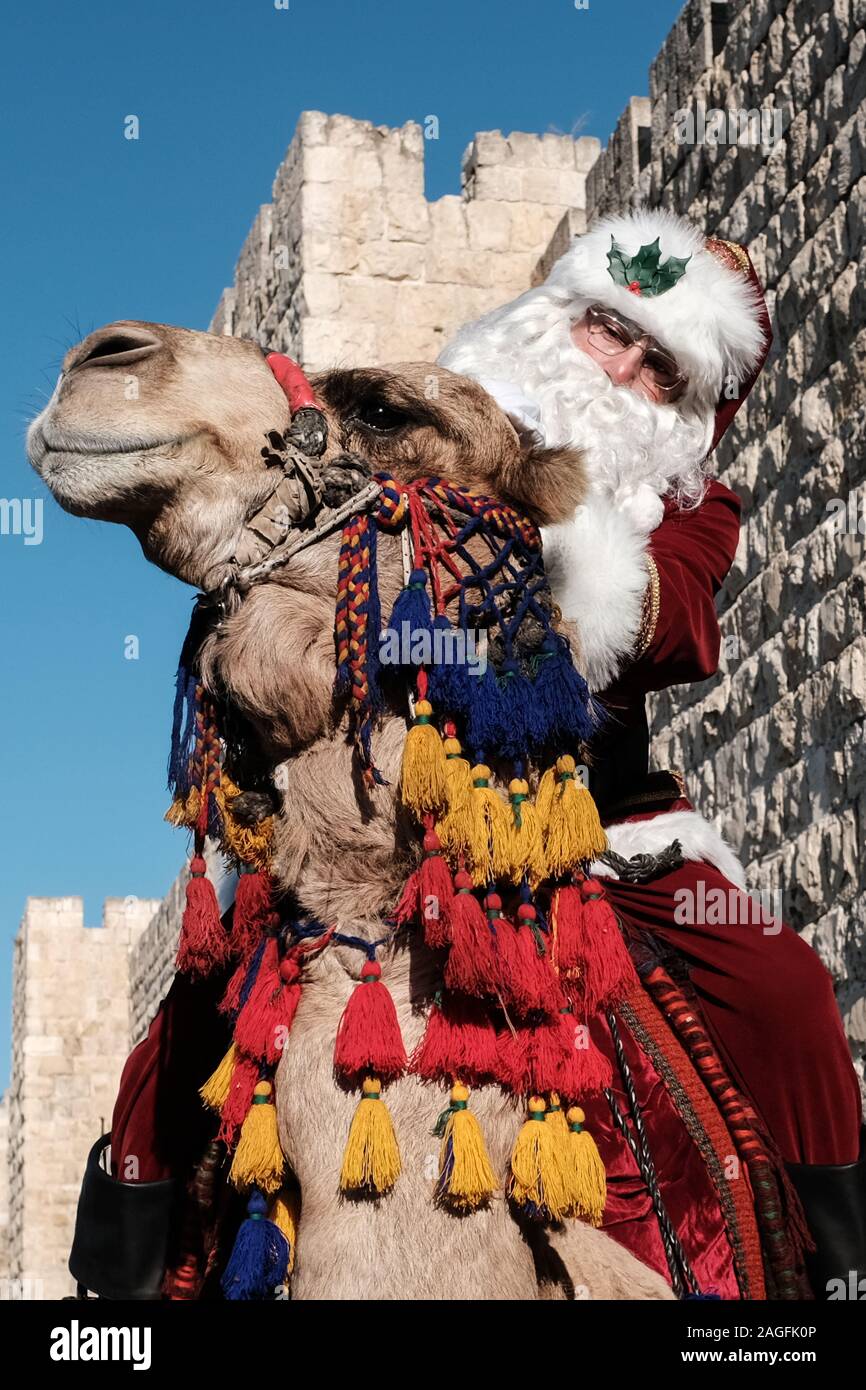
x=730 y=253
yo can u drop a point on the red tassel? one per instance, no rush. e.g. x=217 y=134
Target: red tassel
x=408 y=909
x=566 y=915
x=239 y=1099
x=471 y=964
x=231 y=1000
x=527 y=981
x=459 y=1043
x=263 y=1024
x=368 y=1036
x=204 y=944
x=253 y=913
x=436 y=891
x=590 y=946
x=428 y=895
x=551 y=1057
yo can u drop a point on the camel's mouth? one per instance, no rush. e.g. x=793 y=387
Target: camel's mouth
x=47 y=450
x=114 y=451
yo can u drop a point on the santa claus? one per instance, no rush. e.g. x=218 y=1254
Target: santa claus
x=640 y=347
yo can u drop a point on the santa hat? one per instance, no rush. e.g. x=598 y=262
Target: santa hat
x=699 y=297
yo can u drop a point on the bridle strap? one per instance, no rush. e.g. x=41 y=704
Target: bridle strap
x=362 y=501
x=227 y=595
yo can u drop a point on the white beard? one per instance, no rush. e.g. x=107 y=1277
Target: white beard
x=636 y=451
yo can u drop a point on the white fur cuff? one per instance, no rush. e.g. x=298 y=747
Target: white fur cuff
x=598 y=570
x=698 y=838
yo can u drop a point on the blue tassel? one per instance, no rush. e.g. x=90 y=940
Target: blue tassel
x=485 y=721
x=260 y=1257
x=182 y=733
x=410 y=617
x=516 y=697
x=563 y=711
x=184 y=711
x=449 y=682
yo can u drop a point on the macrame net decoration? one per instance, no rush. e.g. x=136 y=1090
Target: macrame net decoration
x=490 y=771
x=533 y=948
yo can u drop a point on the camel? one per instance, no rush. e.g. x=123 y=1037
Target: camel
x=160 y=429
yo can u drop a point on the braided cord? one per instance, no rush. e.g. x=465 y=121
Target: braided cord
x=678 y=1263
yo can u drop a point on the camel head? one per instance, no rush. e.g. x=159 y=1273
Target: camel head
x=161 y=428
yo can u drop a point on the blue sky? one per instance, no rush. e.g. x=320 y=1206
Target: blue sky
x=97 y=227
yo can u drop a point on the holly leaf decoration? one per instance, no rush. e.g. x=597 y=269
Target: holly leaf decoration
x=644 y=273
x=618 y=263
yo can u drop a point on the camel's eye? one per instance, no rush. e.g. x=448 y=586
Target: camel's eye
x=380 y=418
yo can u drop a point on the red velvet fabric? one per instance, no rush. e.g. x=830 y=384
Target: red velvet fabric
x=159 y=1126
x=684 y=1182
x=693 y=551
x=769 y=1006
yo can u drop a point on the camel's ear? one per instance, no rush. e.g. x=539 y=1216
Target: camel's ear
x=548 y=483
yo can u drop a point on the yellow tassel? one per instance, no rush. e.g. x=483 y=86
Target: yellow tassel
x=250 y=843
x=285 y=1212
x=423 y=785
x=215 y=1090
x=544 y=797
x=537 y=1177
x=521 y=852
x=258 y=1160
x=488 y=826
x=454 y=827
x=184 y=811
x=587 y=1178
x=574 y=831
x=555 y=1120
x=555 y=1117
x=466 y=1177
x=371 y=1161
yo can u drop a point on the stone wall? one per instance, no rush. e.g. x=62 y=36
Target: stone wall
x=70 y=1038
x=4 y=1193
x=350 y=264
x=774 y=746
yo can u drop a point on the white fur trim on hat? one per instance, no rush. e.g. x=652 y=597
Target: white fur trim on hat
x=710 y=319
x=699 y=840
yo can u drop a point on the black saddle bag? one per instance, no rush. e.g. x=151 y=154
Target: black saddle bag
x=123 y=1232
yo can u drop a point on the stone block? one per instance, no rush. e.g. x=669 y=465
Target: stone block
x=489 y=226
x=497 y=181
x=407 y=217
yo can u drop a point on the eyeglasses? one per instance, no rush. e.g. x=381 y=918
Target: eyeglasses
x=611 y=335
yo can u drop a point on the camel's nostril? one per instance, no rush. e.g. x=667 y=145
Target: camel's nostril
x=113 y=348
